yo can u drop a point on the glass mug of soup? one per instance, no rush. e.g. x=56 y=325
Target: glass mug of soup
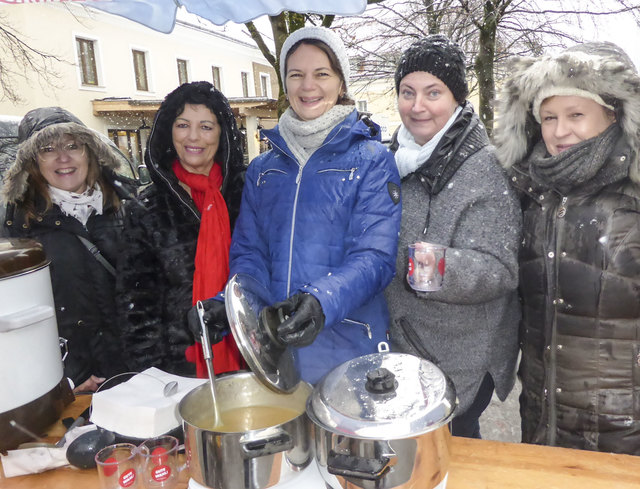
x=426 y=266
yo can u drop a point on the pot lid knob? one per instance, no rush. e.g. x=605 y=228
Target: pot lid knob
x=381 y=381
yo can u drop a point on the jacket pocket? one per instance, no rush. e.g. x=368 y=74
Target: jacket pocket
x=267 y=175
x=411 y=337
x=345 y=173
x=365 y=328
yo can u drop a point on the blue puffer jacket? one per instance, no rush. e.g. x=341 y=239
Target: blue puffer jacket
x=329 y=228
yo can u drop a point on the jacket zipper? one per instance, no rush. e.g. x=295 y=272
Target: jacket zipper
x=558 y=214
x=366 y=326
x=350 y=171
x=295 y=203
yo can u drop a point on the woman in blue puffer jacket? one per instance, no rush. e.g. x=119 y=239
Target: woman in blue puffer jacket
x=320 y=213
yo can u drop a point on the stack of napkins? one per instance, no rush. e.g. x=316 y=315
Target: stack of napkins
x=138 y=407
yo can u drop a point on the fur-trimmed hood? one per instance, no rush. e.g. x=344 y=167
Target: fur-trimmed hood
x=600 y=67
x=37 y=129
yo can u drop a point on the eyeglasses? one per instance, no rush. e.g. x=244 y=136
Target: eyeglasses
x=51 y=152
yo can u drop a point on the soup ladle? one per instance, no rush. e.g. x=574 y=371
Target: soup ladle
x=208 y=358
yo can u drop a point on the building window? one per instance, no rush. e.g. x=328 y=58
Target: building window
x=140 y=69
x=245 y=83
x=363 y=106
x=265 y=85
x=215 y=72
x=87 y=61
x=183 y=73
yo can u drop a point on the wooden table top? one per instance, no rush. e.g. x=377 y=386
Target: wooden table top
x=475 y=464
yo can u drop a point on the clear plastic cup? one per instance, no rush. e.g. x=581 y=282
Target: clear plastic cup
x=118 y=466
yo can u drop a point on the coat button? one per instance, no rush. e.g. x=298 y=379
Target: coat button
x=623 y=158
x=551 y=254
x=25 y=226
x=563 y=254
x=9 y=223
x=58 y=223
x=541 y=197
x=558 y=390
x=559 y=347
x=80 y=322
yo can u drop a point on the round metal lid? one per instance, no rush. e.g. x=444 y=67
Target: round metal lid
x=383 y=396
x=19 y=255
x=275 y=364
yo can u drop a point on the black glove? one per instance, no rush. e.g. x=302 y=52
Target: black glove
x=215 y=318
x=304 y=319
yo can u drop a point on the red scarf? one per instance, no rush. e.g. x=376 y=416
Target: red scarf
x=212 y=260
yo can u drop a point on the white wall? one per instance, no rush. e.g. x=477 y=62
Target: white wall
x=53 y=28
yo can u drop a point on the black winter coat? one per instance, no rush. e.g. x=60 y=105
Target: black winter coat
x=580 y=335
x=83 y=289
x=156 y=264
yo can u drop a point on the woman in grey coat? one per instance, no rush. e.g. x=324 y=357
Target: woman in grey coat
x=455 y=194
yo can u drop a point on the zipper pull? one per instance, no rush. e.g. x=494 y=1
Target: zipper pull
x=353 y=170
x=562 y=210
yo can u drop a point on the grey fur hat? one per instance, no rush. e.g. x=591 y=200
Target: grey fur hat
x=38 y=128
x=325 y=35
x=599 y=68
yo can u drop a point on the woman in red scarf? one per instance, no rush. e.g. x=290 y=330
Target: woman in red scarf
x=177 y=245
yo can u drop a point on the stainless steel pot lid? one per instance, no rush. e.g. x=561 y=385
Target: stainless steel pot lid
x=383 y=396
x=275 y=364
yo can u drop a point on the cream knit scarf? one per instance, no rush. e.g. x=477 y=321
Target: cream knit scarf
x=304 y=137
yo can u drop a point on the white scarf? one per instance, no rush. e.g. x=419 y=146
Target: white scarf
x=304 y=137
x=410 y=155
x=80 y=206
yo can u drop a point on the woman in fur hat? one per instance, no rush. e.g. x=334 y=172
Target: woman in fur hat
x=62 y=191
x=569 y=132
x=454 y=194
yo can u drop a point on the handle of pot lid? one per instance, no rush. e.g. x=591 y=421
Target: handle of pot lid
x=26 y=317
x=268 y=445
x=371 y=469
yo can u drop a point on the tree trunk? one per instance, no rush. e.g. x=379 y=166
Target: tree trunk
x=484 y=64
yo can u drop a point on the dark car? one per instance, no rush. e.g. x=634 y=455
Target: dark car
x=9 y=147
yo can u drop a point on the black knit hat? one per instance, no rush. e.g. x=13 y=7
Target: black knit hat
x=441 y=57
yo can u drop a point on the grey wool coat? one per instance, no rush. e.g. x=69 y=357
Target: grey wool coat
x=461 y=198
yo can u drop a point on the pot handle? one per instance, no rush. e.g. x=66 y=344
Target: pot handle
x=278 y=442
x=26 y=317
x=371 y=469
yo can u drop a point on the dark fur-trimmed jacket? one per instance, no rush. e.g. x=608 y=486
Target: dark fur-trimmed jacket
x=83 y=289
x=156 y=265
x=579 y=264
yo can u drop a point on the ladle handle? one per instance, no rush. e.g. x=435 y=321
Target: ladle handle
x=208 y=358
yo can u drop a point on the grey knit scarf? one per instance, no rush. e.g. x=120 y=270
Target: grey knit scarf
x=304 y=137
x=575 y=166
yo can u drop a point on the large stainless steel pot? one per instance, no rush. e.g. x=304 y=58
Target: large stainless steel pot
x=33 y=389
x=381 y=423
x=226 y=458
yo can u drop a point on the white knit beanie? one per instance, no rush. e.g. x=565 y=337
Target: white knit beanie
x=325 y=35
x=555 y=91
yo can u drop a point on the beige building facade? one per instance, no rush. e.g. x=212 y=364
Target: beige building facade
x=113 y=73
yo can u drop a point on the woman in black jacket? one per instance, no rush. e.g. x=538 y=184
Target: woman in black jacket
x=569 y=132
x=176 y=246
x=62 y=190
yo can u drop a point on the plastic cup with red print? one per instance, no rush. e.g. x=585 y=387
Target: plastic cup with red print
x=159 y=466
x=118 y=466
x=426 y=266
